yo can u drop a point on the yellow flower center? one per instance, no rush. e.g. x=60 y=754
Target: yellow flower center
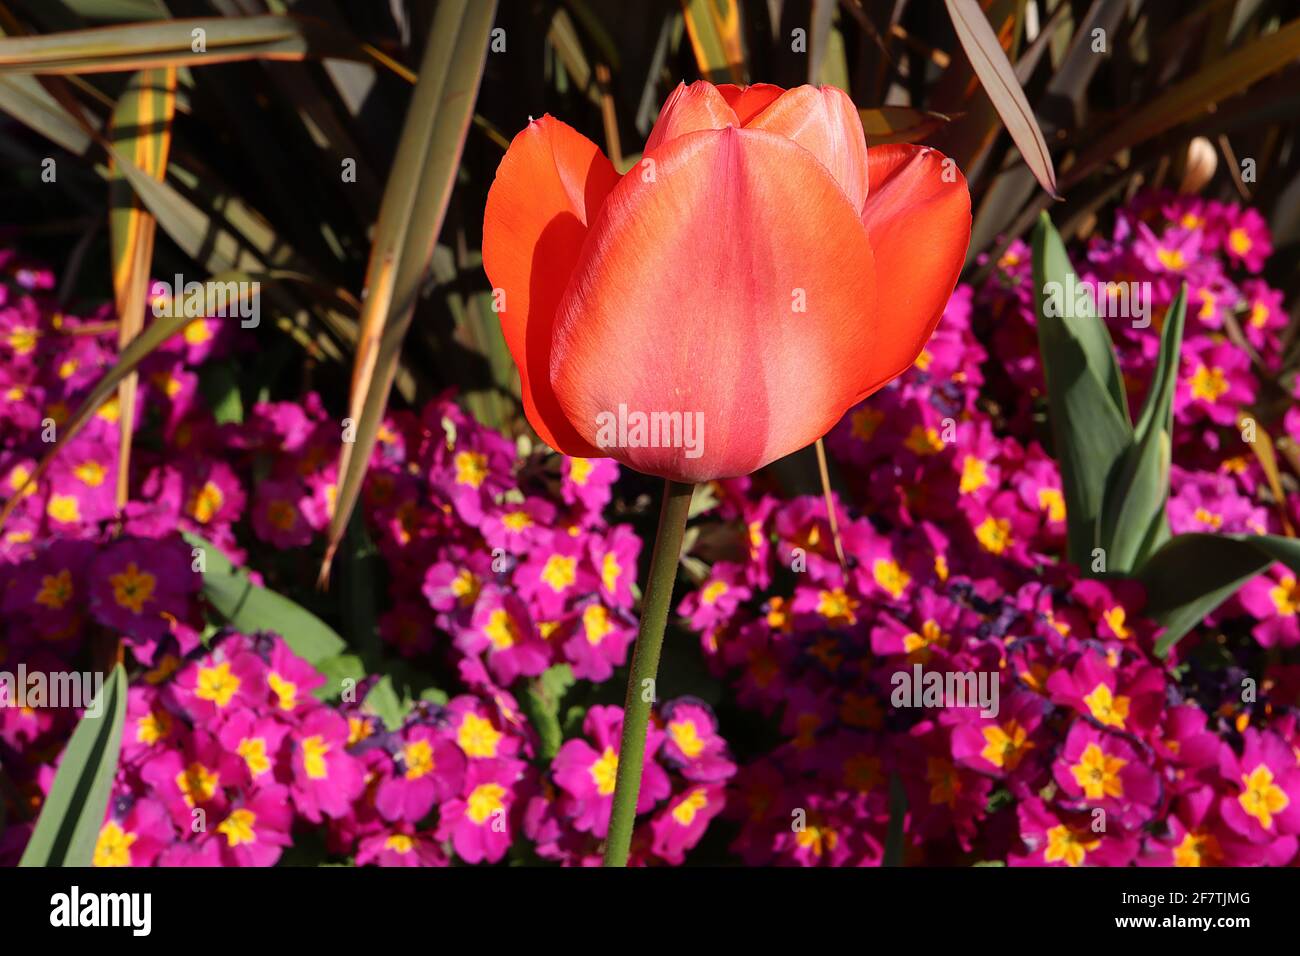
x=1098 y=774
x=1209 y=384
x=418 y=757
x=1107 y=708
x=684 y=813
x=560 y=572
x=471 y=468
x=483 y=801
x=994 y=534
x=206 y=502
x=1006 y=746
x=1262 y=798
x=56 y=590
x=686 y=737
x=314 y=749
x=604 y=770
x=477 y=737
x=501 y=629
x=217 y=684
x=238 y=827
x=113 y=848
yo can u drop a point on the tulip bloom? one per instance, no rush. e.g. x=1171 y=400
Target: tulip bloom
x=756 y=274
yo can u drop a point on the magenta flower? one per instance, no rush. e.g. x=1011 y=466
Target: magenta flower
x=1100 y=769
x=555 y=571
x=229 y=679
x=478 y=823
x=614 y=557
x=681 y=823
x=502 y=628
x=430 y=768
x=1273 y=599
x=255 y=830
x=1061 y=838
x=257 y=741
x=193 y=778
x=401 y=845
x=290 y=680
x=278 y=515
x=136 y=586
x=587 y=482
x=586 y=773
x=326 y=779
x=599 y=641
x=1128 y=700
x=1263 y=803
x=134 y=833
x=692 y=744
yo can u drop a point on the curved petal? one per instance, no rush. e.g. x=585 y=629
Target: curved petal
x=826 y=123
x=736 y=289
x=749 y=101
x=547 y=191
x=688 y=109
x=918 y=217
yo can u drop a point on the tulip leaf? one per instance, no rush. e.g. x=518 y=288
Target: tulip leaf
x=1085 y=395
x=1135 y=501
x=1192 y=574
x=249 y=608
x=70 y=820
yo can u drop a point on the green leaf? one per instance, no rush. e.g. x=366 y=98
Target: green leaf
x=996 y=75
x=1192 y=574
x=220 y=387
x=715 y=29
x=247 y=607
x=136 y=46
x=1085 y=395
x=1134 y=507
x=336 y=670
x=541 y=702
x=70 y=821
x=384 y=702
x=410 y=218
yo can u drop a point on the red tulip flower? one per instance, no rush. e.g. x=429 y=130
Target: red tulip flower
x=721 y=305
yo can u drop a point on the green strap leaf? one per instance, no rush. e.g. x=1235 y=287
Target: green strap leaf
x=248 y=607
x=410 y=218
x=1192 y=574
x=201 y=41
x=70 y=821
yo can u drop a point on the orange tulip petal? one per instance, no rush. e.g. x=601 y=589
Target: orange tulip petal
x=826 y=123
x=547 y=191
x=738 y=288
x=749 y=101
x=688 y=109
x=918 y=217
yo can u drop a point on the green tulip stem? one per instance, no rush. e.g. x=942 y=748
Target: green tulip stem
x=645 y=664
